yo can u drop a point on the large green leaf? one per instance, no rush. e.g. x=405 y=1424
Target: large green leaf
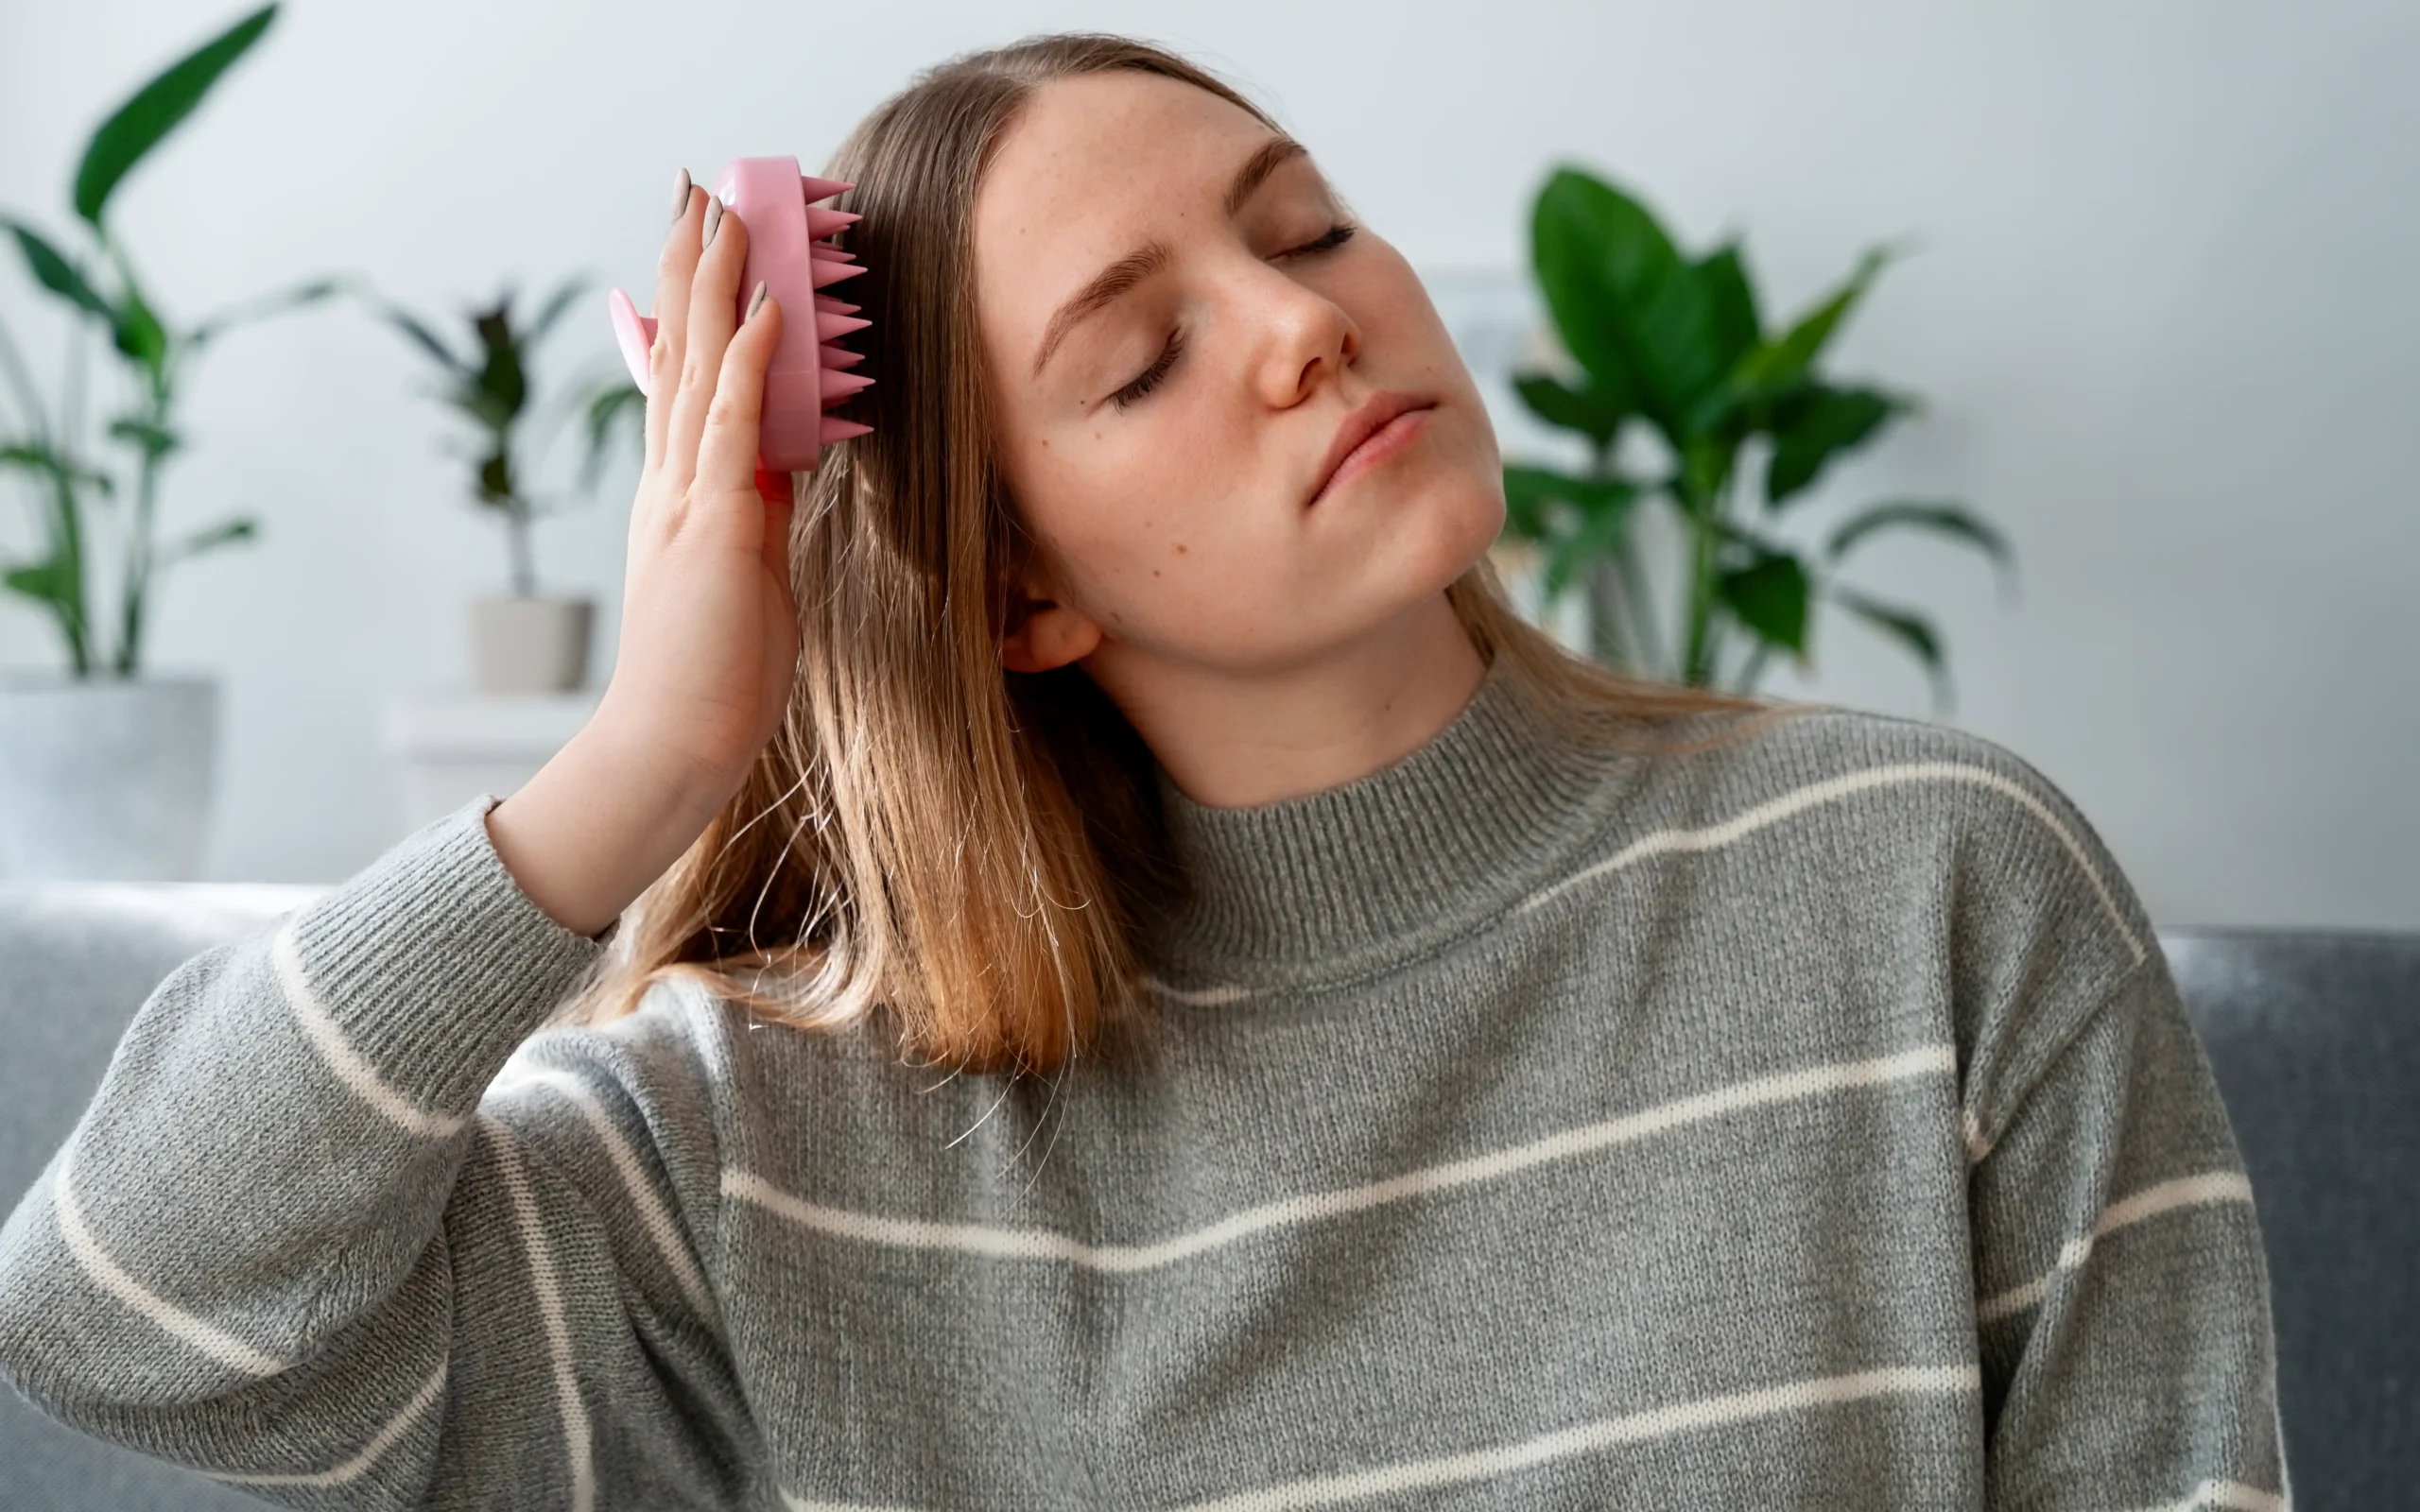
x=1816 y=424
x=156 y=109
x=1769 y=596
x=1953 y=520
x=1909 y=629
x=53 y=271
x=1594 y=411
x=1737 y=328
x=503 y=383
x=1628 y=308
x=138 y=332
x=411 y=325
x=1784 y=361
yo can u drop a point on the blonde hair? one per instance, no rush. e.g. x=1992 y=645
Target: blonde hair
x=967 y=847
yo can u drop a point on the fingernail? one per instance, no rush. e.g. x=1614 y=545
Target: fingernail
x=757 y=300
x=713 y=219
x=680 y=196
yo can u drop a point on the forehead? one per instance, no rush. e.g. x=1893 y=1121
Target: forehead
x=1091 y=166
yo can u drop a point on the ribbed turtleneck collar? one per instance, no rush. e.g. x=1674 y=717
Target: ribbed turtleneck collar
x=1352 y=878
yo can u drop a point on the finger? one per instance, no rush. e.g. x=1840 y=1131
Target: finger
x=713 y=313
x=674 y=267
x=727 y=449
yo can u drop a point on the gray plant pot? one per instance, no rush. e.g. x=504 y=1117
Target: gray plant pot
x=106 y=780
x=537 y=644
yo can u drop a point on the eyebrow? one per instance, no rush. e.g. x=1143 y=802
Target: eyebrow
x=1114 y=280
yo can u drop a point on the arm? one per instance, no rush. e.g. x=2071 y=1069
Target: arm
x=299 y=1244
x=2122 y=1293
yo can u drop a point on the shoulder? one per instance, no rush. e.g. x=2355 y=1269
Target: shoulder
x=1946 y=857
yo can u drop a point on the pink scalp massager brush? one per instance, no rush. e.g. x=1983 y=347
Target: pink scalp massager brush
x=788 y=247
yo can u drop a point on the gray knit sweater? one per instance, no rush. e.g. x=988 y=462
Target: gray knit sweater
x=1808 y=1122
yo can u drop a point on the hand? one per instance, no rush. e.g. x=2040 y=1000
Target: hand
x=709 y=638
x=709 y=635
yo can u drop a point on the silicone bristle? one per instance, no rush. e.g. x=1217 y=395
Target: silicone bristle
x=835 y=429
x=836 y=305
x=832 y=356
x=822 y=223
x=821 y=188
x=837 y=386
x=833 y=327
x=826 y=273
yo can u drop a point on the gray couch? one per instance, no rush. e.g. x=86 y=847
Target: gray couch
x=2315 y=1038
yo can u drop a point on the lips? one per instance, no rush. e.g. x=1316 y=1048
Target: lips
x=1364 y=422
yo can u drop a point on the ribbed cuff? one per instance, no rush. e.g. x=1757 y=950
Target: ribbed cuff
x=434 y=965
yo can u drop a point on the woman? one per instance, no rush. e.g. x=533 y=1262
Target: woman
x=1389 y=1062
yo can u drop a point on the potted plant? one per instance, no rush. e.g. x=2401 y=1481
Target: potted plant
x=1649 y=337
x=107 y=772
x=522 y=642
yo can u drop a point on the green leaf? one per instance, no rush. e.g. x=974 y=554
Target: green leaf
x=409 y=324
x=36 y=456
x=1780 y=363
x=224 y=533
x=502 y=386
x=1629 y=309
x=552 y=311
x=1770 y=598
x=1946 y=519
x=155 y=110
x=1594 y=411
x=605 y=407
x=53 y=271
x=1600 y=535
x=1736 y=326
x=47 y=582
x=1816 y=425
x=153 y=440
x=138 y=332
x=1528 y=489
x=1910 y=629
x=267 y=305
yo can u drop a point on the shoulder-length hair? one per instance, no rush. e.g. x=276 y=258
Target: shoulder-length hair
x=969 y=848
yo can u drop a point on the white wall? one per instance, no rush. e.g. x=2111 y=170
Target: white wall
x=2163 y=313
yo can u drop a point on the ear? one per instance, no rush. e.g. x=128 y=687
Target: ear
x=1043 y=633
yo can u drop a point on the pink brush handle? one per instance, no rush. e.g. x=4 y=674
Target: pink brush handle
x=788 y=249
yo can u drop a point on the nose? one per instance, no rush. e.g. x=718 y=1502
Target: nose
x=1304 y=339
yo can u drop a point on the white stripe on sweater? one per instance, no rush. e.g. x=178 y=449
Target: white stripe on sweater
x=209 y=1338
x=2233 y=1495
x=659 y=1221
x=550 y=1308
x=2187 y=1191
x=385 y=1439
x=1039 y=1243
x=324 y=1035
x=1715 y=837
x=1629 y=1428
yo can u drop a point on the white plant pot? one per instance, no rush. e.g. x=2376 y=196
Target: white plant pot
x=538 y=643
x=106 y=780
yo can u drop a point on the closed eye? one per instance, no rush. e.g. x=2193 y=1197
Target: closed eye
x=1148 y=379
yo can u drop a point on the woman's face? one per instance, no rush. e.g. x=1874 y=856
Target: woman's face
x=1167 y=453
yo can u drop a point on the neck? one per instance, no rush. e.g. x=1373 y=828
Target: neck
x=1236 y=739
x=1356 y=876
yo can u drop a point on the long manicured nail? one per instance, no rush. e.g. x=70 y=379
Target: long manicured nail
x=755 y=301
x=680 y=196
x=713 y=219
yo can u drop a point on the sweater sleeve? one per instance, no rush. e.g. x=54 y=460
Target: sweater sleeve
x=306 y=1241
x=2122 y=1297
